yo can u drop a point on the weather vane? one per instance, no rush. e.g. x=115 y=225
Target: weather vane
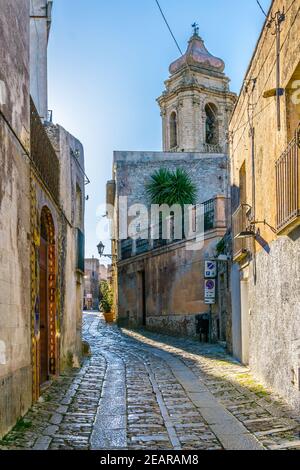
x=195 y=26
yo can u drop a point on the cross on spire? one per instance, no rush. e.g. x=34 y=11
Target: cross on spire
x=195 y=26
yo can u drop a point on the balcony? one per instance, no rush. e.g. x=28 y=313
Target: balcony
x=239 y=225
x=43 y=155
x=126 y=248
x=214 y=219
x=211 y=148
x=288 y=187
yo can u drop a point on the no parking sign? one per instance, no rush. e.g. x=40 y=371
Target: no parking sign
x=210 y=288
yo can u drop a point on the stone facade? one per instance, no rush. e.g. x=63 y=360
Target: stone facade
x=103 y=272
x=91 y=284
x=193 y=86
x=15 y=324
x=174 y=292
x=265 y=288
x=163 y=287
x=40 y=301
x=72 y=202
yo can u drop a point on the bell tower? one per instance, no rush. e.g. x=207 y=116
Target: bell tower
x=197 y=103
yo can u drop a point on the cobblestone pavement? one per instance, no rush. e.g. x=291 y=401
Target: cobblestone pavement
x=141 y=390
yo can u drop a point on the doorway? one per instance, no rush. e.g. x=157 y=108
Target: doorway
x=47 y=363
x=245 y=321
x=44 y=317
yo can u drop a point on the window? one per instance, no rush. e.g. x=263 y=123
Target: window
x=173 y=130
x=78 y=208
x=211 y=125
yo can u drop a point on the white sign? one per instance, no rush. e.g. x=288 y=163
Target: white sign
x=210 y=301
x=210 y=269
x=210 y=289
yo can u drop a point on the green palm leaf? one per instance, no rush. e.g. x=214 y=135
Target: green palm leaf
x=168 y=187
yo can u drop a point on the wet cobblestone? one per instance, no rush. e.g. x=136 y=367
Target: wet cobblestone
x=130 y=394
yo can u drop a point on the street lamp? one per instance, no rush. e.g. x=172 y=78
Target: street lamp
x=100 y=248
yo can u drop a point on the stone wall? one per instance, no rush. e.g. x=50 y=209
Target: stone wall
x=133 y=171
x=72 y=201
x=174 y=276
x=174 y=295
x=274 y=337
x=15 y=317
x=266 y=301
x=92 y=280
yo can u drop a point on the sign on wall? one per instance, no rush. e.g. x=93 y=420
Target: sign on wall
x=210 y=288
x=210 y=291
x=210 y=269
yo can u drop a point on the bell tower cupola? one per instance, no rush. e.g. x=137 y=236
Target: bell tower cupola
x=197 y=103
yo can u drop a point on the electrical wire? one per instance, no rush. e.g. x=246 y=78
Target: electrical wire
x=257 y=1
x=168 y=26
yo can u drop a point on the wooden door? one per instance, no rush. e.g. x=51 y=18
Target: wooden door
x=44 y=321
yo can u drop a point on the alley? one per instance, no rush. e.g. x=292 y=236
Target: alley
x=148 y=391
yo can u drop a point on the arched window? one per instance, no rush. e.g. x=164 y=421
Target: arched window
x=211 y=124
x=173 y=130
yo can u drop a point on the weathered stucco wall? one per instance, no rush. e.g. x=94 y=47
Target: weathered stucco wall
x=274 y=349
x=174 y=276
x=174 y=294
x=133 y=171
x=273 y=302
x=72 y=200
x=15 y=319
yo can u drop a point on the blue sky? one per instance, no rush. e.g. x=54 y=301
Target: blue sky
x=107 y=64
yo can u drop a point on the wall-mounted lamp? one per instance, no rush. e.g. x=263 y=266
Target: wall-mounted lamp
x=100 y=248
x=248 y=233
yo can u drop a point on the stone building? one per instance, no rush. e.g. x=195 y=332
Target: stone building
x=103 y=272
x=160 y=283
x=91 y=284
x=15 y=298
x=41 y=229
x=265 y=163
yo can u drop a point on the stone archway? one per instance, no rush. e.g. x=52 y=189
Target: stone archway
x=48 y=344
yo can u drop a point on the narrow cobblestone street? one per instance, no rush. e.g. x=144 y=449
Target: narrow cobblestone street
x=140 y=390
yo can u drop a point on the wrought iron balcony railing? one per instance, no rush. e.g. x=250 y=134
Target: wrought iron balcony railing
x=239 y=225
x=126 y=248
x=214 y=219
x=288 y=186
x=209 y=214
x=43 y=154
x=211 y=148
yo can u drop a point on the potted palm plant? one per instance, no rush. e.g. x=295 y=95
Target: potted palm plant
x=106 y=301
